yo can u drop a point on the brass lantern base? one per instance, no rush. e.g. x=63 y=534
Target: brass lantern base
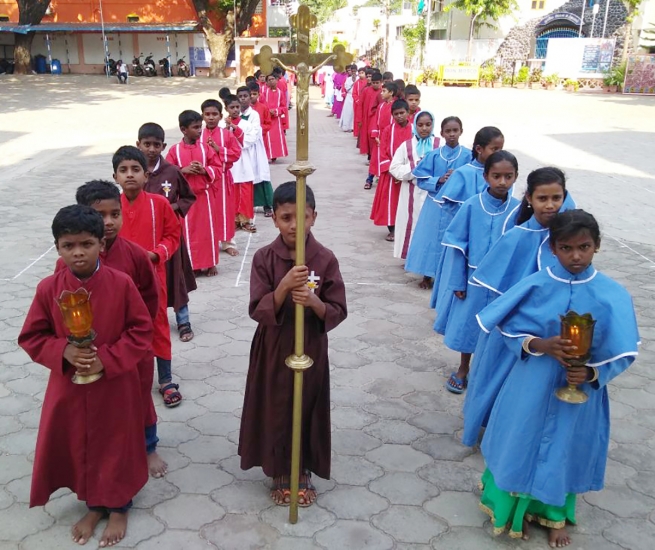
x=571 y=394
x=86 y=378
x=299 y=363
x=84 y=342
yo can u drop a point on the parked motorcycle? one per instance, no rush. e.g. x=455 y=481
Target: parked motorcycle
x=137 y=68
x=149 y=66
x=165 y=65
x=111 y=67
x=183 y=68
x=6 y=66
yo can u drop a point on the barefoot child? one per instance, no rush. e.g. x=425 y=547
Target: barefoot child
x=541 y=452
x=431 y=174
x=167 y=180
x=474 y=229
x=275 y=286
x=411 y=197
x=90 y=437
x=149 y=221
x=225 y=143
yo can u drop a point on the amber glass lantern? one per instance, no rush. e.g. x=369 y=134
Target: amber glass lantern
x=75 y=307
x=579 y=329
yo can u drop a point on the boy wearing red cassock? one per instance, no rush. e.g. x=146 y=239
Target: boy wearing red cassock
x=276 y=286
x=226 y=144
x=358 y=88
x=167 y=180
x=90 y=436
x=413 y=99
x=201 y=166
x=149 y=221
x=263 y=193
x=379 y=122
x=276 y=142
x=370 y=99
x=385 y=203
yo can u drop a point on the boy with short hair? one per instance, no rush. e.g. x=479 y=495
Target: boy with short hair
x=276 y=286
x=413 y=99
x=358 y=89
x=227 y=147
x=200 y=165
x=276 y=141
x=167 y=180
x=90 y=438
x=379 y=121
x=149 y=221
x=370 y=99
x=131 y=259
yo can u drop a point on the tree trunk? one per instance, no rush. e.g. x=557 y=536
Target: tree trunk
x=469 y=50
x=219 y=46
x=22 y=55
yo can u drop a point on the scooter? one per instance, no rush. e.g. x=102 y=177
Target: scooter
x=183 y=68
x=165 y=67
x=149 y=66
x=137 y=68
x=111 y=68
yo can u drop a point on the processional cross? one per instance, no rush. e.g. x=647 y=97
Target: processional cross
x=305 y=64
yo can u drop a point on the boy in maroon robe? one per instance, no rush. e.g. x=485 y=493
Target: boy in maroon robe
x=167 y=180
x=149 y=221
x=276 y=286
x=131 y=259
x=90 y=436
x=370 y=99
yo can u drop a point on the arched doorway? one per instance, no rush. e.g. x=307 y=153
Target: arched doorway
x=558 y=32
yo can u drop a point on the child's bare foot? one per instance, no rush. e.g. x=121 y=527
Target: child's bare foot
x=115 y=530
x=558 y=538
x=156 y=465
x=212 y=271
x=232 y=251
x=83 y=530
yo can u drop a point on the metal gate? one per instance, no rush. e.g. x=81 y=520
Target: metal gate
x=542 y=40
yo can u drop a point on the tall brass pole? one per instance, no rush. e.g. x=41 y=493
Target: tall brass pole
x=303 y=21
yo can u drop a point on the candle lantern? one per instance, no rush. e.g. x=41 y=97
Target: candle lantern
x=75 y=308
x=579 y=329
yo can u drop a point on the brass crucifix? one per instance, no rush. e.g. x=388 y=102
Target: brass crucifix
x=305 y=64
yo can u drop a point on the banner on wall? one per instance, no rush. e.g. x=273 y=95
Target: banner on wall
x=579 y=57
x=640 y=75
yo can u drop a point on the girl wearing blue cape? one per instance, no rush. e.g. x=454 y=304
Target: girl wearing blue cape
x=431 y=174
x=474 y=229
x=520 y=252
x=541 y=452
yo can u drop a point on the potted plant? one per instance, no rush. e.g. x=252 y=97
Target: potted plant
x=487 y=76
x=498 y=76
x=571 y=85
x=614 y=78
x=551 y=81
x=507 y=80
x=522 y=77
x=535 y=79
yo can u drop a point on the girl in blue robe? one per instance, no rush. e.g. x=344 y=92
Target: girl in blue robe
x=520 y=252
x=431 y=174
x=463 y=183
x=474 y=229
x=539 y=451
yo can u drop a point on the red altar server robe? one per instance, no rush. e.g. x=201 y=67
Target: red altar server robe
x=151 y=223
x=370 y=100
x=276 y=141
x=264 y=118
x=131 y=259
x=385 y=202
x=229 y=151
x=381 y=120
x=202 y=225
x=358 y=88
x=90 y=437
x=284 y=88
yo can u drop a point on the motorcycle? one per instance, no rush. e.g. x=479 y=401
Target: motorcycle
x=149 y=66
x=165 y=67
x=137 y=68
x=183 y=68
x=111 y=67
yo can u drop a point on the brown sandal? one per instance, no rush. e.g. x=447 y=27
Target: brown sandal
x=249 y=227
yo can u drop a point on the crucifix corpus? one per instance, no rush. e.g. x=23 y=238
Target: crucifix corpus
x=305 y=65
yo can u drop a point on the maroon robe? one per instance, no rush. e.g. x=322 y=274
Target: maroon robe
x=265 y=437
x=90 y=436
x=167 y=180
x=131 y=259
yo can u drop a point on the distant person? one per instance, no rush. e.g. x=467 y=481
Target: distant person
x=276 y=142
x=121 y=70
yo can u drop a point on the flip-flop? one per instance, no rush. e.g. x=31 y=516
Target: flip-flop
x=456 y=385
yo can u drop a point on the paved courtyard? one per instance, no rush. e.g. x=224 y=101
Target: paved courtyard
x=400 y=479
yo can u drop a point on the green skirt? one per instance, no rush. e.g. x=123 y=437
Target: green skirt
x=264 y=194
x=508 y=510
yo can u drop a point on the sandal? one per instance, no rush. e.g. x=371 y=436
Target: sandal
x=304 y=488
x=268 y=213
x=390 y=238
x=249 y=227
x=368 y=185
x=185 y=332
x=456 y=385
x=281 y=494
x=172 y=397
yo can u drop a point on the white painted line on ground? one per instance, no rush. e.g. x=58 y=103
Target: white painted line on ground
x=245 y=255
x=30 y=265
x=622 y=244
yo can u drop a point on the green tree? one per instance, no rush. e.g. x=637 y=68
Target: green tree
x=483 y=12
x=30 y=12
x=414 y=38
x=323 y=9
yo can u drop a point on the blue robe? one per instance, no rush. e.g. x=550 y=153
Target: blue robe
x=473 y=231
x=425 y=248
x=536 y=444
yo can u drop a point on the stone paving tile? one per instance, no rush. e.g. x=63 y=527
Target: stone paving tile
x=400 y=478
